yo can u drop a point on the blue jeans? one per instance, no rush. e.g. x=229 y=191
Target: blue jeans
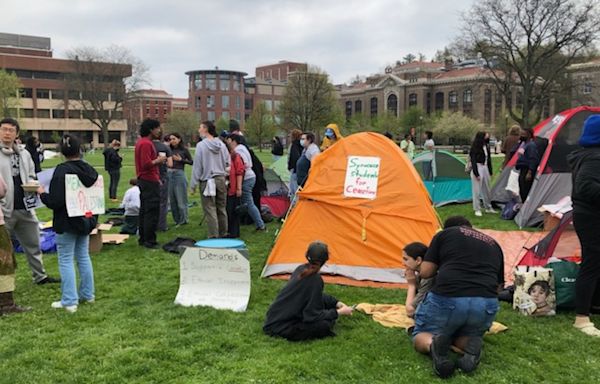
x=71 y=246
x=254 y=213
x=178 y=196
x=455 y=316
x=293 y=185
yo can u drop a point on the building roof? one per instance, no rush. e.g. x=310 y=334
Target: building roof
x=418 y=65
x=217 y=71
x=150 y=94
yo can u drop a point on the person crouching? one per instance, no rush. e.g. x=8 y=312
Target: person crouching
x=301 y=310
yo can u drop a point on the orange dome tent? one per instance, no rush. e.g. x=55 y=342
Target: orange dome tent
x=364 y=198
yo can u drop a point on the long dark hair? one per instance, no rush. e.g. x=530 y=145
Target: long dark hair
x=180 y=145
x=316 y=254
x=478 y=142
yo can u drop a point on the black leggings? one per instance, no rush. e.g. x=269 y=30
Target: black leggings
x=524 y=185
x=309 y=331
x=587 y=226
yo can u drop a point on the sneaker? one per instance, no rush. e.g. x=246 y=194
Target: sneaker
x=478 y=213
x=48 y=280
x=439 y=350
x=262 y=229
x=490 y=210
x=68 y=308
x=470 y=360
x=11 y=309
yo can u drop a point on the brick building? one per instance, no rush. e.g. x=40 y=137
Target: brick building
x=585 y=78
x=46 y=106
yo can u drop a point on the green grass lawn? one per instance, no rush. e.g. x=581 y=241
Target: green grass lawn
x=135 y=334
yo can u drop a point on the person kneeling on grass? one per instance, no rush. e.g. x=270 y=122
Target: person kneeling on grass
x=412 y=256
x=469 y=271
x=72 y=233
x=301 y=310
x=131 y=203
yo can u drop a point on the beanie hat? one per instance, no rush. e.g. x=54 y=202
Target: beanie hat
x=591 y=132
x=317 y=253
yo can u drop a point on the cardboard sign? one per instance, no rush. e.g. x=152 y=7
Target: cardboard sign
x=362 y=176
x=213 y=277
x=81 y=200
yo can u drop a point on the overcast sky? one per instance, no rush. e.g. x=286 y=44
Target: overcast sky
x=343 y=37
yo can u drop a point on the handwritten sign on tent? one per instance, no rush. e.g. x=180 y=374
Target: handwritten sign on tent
x=81 y=200
x=214 y=277
x=362 y=176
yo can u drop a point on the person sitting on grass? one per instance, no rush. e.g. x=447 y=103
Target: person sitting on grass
x=412 y=256
x=301 y=310
x=131 y=204
x=469 y=272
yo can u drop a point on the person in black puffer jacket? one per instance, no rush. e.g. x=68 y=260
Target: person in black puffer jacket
x=72 y=233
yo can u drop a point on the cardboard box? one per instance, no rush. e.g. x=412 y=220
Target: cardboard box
x=96 y=240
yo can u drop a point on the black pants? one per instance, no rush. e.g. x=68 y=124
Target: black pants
x=524 y=185
x=115 y=176
x=309 y=331
x=233 y=220
x=130 y=225
x=587 y=226
x=149 y=210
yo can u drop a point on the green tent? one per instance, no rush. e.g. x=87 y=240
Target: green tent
x=280 y=168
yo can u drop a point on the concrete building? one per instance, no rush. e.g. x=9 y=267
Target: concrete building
x=46 y=107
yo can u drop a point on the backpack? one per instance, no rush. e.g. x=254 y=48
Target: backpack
x=511 y=208
x=174 y=246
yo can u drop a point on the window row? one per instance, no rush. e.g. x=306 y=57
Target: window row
x=211 y=116
x=63 y=114
x=211 y=102
x=58 y=94
x=209 y=82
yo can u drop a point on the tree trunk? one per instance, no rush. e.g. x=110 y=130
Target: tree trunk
x=105 y=135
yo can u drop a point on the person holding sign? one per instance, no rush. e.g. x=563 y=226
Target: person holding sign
x=301 y=310
x=72 y=233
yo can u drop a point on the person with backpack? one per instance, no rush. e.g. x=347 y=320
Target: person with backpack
x=72 y=233
x=481 y=173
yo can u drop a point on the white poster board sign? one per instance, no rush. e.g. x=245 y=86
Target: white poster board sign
x=218 y=278
x=81 y=200
x=362 y=176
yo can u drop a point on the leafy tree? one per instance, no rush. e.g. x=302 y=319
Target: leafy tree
x=182 y=122
x=456 y=128
x=309 y=101
x=529 y=44
x=414 y=117
x=408 y=58
x=222 y=124
x=9 y=87
x=260 y=126
x=387 y=122
x=359 y=123
x=98 y=73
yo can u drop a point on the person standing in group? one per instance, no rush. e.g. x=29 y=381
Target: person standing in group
x=332 y=135
x=162 y=147
x=527 y=162
x=407 y=146
x=293 y=155
x=277 y=150
x=429 y=144
x=481 y=172
x=16 y=168
x=209 y=171
x=147 y=162
x=34 y=147
x=112 y=165
x=310 y=151
x=249 y=180
x=509 y=144
x=8 y=265
x=178 y=184
x=72 y=233
x=234 y=192
x=585 y=165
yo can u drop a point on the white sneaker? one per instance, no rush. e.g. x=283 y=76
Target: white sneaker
x=68 y=308
x=478 y=213
x=490 y=210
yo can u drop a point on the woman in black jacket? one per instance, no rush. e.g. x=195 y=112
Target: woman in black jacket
x=585 y=163
x=481 y=172
x=301 y=310
x=33 y=146
x=277 y=150
x=293 y=155
x=72 y=233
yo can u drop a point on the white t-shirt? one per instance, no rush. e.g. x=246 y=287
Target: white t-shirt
x=429 y=144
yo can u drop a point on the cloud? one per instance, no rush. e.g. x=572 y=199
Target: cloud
x=344 y=38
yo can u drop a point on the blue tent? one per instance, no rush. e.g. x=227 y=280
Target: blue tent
x=444 y=176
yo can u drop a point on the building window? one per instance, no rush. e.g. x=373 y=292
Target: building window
x=74 y=114
x=43 y=113
x=224 y=101
x=198 y=100
x=211 y=82
x=348 y=110
x=487 y=107
x=412 y=100
x=58 y=113
x=413 y=78
x=225 y=115
x=238 y=102
x=468 y=96
x=236 y=84
x=23 y=74
x=238 y=115
x=197 y=81
x=358 y=106
x=58 y=94
x=269 y=105
x=26 y=93
x=210 y=101
x=147 y=112
x=42 y=93
x=211 y=115
x=74 y=95
x=27 y=112
x=392 y=104
x=439 y=101
x=48 y=75
x=373 y=106
x=587 y=87
x=224 y=82
x=117 y=115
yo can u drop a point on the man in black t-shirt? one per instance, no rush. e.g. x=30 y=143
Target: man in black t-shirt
x=162 y=147
x=468 y=267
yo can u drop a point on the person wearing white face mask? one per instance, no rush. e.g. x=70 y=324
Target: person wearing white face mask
x=311 y=150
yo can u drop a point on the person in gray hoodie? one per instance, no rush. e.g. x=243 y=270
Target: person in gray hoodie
x=210 y=169
x=16 y=168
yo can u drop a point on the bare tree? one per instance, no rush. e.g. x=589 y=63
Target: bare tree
x=260 y=125
x=9 y=88
x=103 y=78
x=528 y=45
x=309 y=101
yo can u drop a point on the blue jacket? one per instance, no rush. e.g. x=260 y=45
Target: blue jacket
x=530 y=159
